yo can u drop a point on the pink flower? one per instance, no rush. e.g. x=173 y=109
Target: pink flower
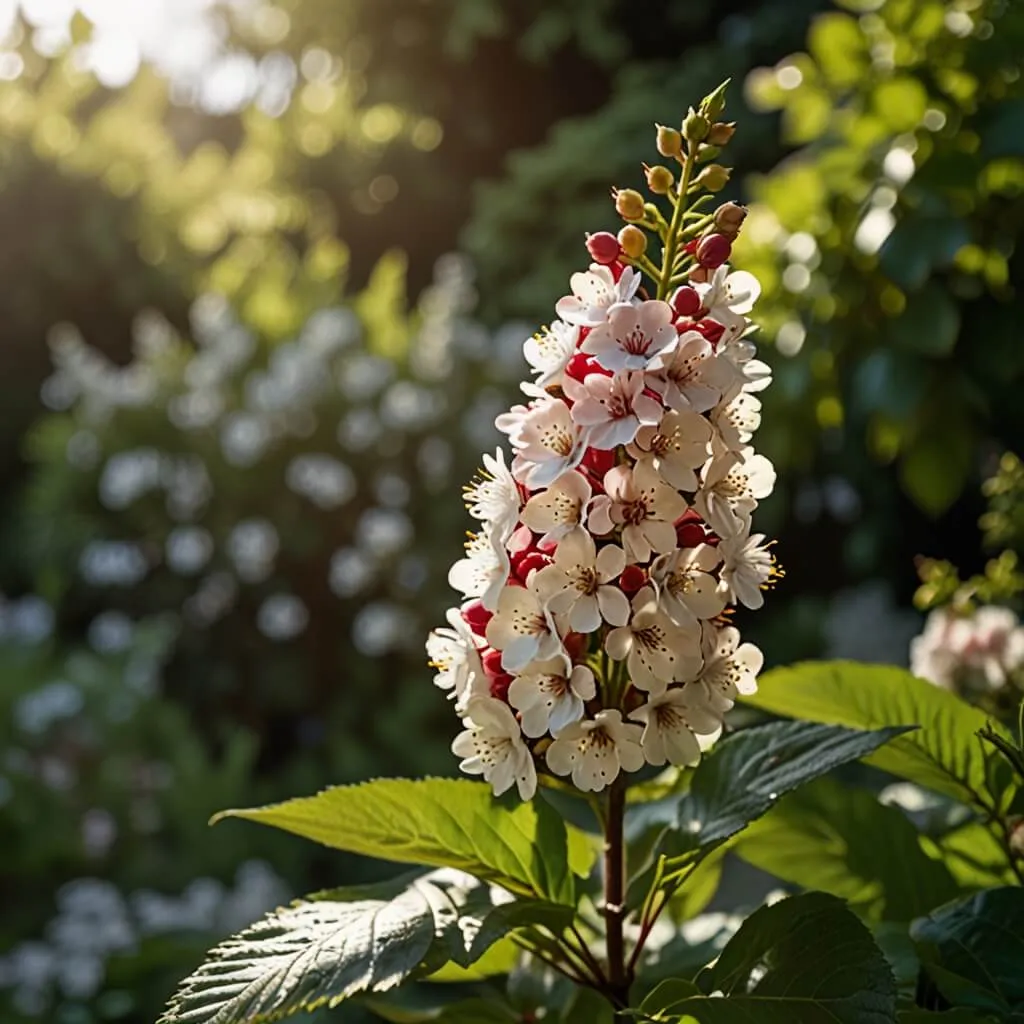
x=613 y=408
x=632 y=336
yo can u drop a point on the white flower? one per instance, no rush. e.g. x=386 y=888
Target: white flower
x=493 y=497
x=548 y=698
x=484 y=570
x=559 y=509
x=455 y=653
x=691 y=376
x=733 y=483
x=755 y=374
x=685 y=588
x=577 y=583
x=746 y=567
x=727 y=297
x=656 y=650
x=547 y=441
x=550 y=350
x=735 y=421
x=674 y=727
x=985 y=646
x=593 y=292
x=730 y=668
x=492 y=746
x=522 y=629
x=632 y=336
x=675 y=448
x=594 y=752
x=646 y=508
x=614 y=408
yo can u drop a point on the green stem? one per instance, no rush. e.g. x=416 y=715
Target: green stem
x=675 y=228
x=615 y=895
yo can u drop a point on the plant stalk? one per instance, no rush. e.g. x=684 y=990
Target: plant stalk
x=615 y=895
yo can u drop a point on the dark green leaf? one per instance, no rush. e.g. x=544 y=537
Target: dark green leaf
x=804 y=960
x=973 y=949
x=842 y=840
x=440 y=822
x=340 y=943
x=746 y=774
x=961 y=1015
x=945 y=754
x=666 y=995
x=975 y=857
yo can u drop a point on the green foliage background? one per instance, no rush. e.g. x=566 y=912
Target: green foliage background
x=415 y=129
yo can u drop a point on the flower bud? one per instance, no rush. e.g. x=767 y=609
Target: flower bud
x=603 y=247
x=695 y=127
x=633 y=241
x=670 y=141
x=713 y=251
x=721 y=132
x=476 y=616
x=714 y=177
x=632 y=579
x=659 y=179
x=629 y=204
x=714 y=103
x=729 y=218
x=686 y=301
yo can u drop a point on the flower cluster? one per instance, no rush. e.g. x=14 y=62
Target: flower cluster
x=970 y=652
x=594 y=634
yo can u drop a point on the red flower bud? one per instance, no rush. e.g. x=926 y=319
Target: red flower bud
x=713 y=250
x=711 y=329
x=499 y=687
x=576 y=645
x=490 y=659
x=689 y=535
x=529 y=562
x=603 y=247
x=581 y=364
x=686 y=301
x=476 y=616
x=632 y=579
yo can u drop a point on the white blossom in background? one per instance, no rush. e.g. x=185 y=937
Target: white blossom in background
x=612 y=540
x=973 y=651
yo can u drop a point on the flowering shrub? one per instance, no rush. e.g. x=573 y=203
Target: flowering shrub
x=594 y=644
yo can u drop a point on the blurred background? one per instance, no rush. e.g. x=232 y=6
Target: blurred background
x=267 y=267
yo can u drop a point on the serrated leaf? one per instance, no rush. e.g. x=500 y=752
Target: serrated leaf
x=441 y=823
x=745 y=775
x=805 y=960
x=973 y=949
x=975 y=857
x=945 y=754
x=841 y=840
x=960 y=1015
x=334 y=945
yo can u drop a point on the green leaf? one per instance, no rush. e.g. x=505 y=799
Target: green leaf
x=975 y=857
x=499 y=959
x=465 y=1011
x=439 y=822
x=945 y=754
x=973 y=949
x=841 y=840
x=960 y=1015
x=666 y=995
x=745 y=775
x=331 y=946
x=804 y=960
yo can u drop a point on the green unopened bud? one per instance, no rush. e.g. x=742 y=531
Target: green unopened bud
x=721 y=132
x=714 y=103
x=633 y=241
x=670 y=142
x=695 y=127
x=629 y=204
x=659 y=179
x=714 y=177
